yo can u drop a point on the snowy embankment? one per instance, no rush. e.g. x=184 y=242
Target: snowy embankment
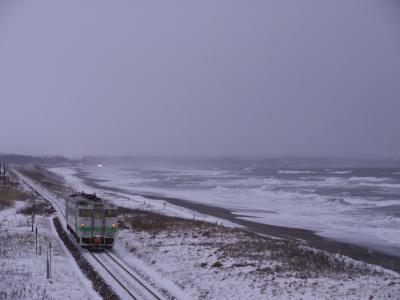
x=214 y=262
x=23 y=273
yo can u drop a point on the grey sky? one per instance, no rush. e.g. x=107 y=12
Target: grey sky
x=209 y=77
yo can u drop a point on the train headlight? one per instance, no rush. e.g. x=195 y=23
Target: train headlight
x=114 y=225
x=83 y=225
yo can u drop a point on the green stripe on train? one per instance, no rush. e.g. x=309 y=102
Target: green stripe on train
x=98 y=228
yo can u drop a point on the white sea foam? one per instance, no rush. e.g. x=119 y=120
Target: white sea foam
x=333 y=180
x=296 y=172
x=368 y=179
x=382 y=185
x=370 y=203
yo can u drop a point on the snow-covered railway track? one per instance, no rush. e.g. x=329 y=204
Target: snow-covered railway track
x=150 y=291
x=53 y=199
x=131 y=284
x=114 y=277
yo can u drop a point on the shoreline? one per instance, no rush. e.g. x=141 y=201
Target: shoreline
x=388 y=261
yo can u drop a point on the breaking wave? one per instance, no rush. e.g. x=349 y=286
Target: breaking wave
x=296 y=172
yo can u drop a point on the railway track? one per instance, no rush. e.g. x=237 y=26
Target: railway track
x=131 y=284
x=55 y=200
x=140 y=282
x=113 y=276
x=126 y=283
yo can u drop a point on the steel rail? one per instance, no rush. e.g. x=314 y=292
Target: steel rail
x=113 y=276
x=41 y=192
x=133 y=276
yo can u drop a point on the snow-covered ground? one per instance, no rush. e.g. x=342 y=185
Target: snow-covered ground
x=23 y=272
x=215 y=262
x=211 y=262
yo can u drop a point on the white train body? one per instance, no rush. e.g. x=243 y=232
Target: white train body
x=91 y=220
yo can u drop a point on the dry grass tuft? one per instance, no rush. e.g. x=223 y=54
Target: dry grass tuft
x=9 y=195
x=143 y=220
x=41 y=208
x=291 y=257
x=48 y=179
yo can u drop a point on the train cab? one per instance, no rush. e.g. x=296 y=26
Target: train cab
x=91 y=220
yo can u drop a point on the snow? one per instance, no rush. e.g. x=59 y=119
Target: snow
x=148 y=273
x=23 y=272
x=187 y=258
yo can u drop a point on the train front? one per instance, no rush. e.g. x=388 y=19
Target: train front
x=98 y=226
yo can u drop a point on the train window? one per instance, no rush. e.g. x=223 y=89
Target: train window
x=111 y=213
x=85 y=212
x=98 y=214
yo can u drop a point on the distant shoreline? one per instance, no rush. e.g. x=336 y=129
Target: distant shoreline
x=361 y=253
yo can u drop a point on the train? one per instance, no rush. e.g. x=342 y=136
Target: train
x=92 y=221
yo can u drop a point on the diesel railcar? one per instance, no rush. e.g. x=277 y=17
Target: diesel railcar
x=92 y=221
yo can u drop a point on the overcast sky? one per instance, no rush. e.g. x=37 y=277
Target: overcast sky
x=210 y=77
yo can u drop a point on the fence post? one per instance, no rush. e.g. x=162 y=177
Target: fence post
x=50 y=259
x=4 y=173
x=36 y=240
x=5 y=168
x=47 y=265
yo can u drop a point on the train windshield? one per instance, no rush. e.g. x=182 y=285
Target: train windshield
x=98 y=214
x=111 y=213
x=85 y=212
